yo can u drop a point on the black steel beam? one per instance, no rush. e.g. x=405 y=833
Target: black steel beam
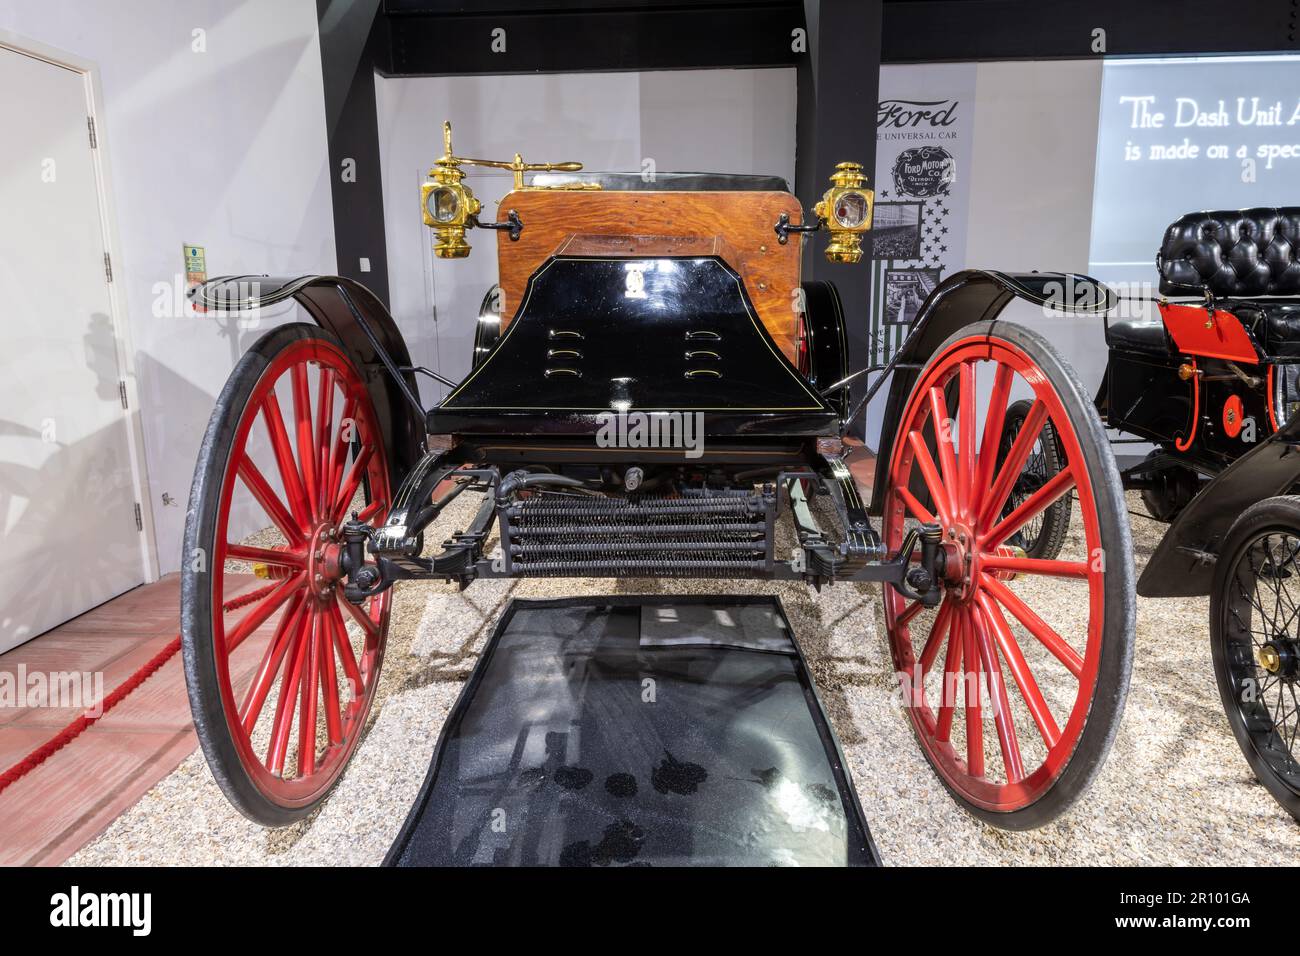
x=353 y=40
x=589 y=37
x=838 y=92
x=444 y=37
x=936 y=30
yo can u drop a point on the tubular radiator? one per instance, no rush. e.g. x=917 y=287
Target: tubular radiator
x=701 y=534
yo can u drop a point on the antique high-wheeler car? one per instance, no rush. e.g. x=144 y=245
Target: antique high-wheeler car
x=668 y=307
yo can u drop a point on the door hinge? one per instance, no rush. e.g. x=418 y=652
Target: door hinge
x=90 y=125
x=108 y=267
x=139 y=518
x=121 y=390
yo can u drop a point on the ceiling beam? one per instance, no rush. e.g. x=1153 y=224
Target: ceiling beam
x=564 y=39
x=938 y=30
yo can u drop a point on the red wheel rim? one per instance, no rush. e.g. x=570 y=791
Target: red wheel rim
x=1004 y=746
x=296 y=697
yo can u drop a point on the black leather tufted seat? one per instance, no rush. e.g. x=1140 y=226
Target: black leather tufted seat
x=1274 y=323
x=1138 y=335
x=1246 y=253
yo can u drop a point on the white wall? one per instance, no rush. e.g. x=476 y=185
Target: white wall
x=224 y=148
x=718 y=121
x=1029 y=186
x=1032 y=186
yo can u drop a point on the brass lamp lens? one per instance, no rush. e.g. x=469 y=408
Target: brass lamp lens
x=443 y=204
x=850 y=210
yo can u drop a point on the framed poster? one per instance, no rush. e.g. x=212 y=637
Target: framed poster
x=896 y=231
x=905 y=290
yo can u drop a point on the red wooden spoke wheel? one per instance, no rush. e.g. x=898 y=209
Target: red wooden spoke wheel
x=1016 y=681
x=281 y=669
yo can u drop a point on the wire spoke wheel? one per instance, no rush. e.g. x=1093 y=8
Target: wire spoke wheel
x=1014 y=684
x=1255 y=633
x=1043 y=535
x=281 y=669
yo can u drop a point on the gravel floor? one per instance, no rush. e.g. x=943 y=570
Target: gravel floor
x=1175 y=791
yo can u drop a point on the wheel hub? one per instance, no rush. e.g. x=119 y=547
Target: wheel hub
x=1280 y=656
x=959 y=559
x=324 y=560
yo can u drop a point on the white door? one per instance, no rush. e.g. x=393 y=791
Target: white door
x=68 y=532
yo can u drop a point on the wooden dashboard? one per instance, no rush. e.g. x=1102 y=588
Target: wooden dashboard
x=738 y=226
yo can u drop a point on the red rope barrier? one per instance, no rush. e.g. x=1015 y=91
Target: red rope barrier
x=75 y=729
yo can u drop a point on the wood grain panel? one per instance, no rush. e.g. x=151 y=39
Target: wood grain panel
x=735 y=225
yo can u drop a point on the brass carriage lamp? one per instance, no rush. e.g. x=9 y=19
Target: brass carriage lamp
x=846 y=208
x=448 y=205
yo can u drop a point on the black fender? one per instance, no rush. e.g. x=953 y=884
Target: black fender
x=828 y=351
x=330 y=300
x=487 y=330
x=965 y=297
x=1183 y=563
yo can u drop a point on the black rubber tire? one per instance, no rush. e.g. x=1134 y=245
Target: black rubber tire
x=1055 y=519
x=1232 y=648
x=1119 y=615
x=196 y=584
x=1176 y=486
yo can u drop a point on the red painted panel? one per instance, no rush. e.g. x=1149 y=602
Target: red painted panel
x=1224 y=338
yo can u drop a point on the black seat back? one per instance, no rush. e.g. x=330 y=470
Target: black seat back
x=1237 y=252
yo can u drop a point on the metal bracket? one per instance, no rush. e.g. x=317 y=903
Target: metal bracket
x=783 y=228
x=513 y=223
x=1199 y=556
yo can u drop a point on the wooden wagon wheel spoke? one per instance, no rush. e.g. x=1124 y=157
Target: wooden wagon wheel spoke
x=972 y=674
x=351 y=483
x=942 y=424
x=345 y=652
x=360 y=616
x=1006 y=727
x=1036 y=626
x=306 y=441
x=340 y=448
x=1020 y=672
x=966 y=490
x=286 y=705
x=247 y=552
x=1048 y=568
x=1056 y=487
x=938 y=633
x=1001 y=487
x=324 y=434
x=290 y=479
x=310 y=685
x=261 y=611
x=1003 y=378
x=918 y=510
x=951 y=681
x=930 y=475
x=913 y=609
x=289 y=526
x=286 y=638
x=329 y=683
